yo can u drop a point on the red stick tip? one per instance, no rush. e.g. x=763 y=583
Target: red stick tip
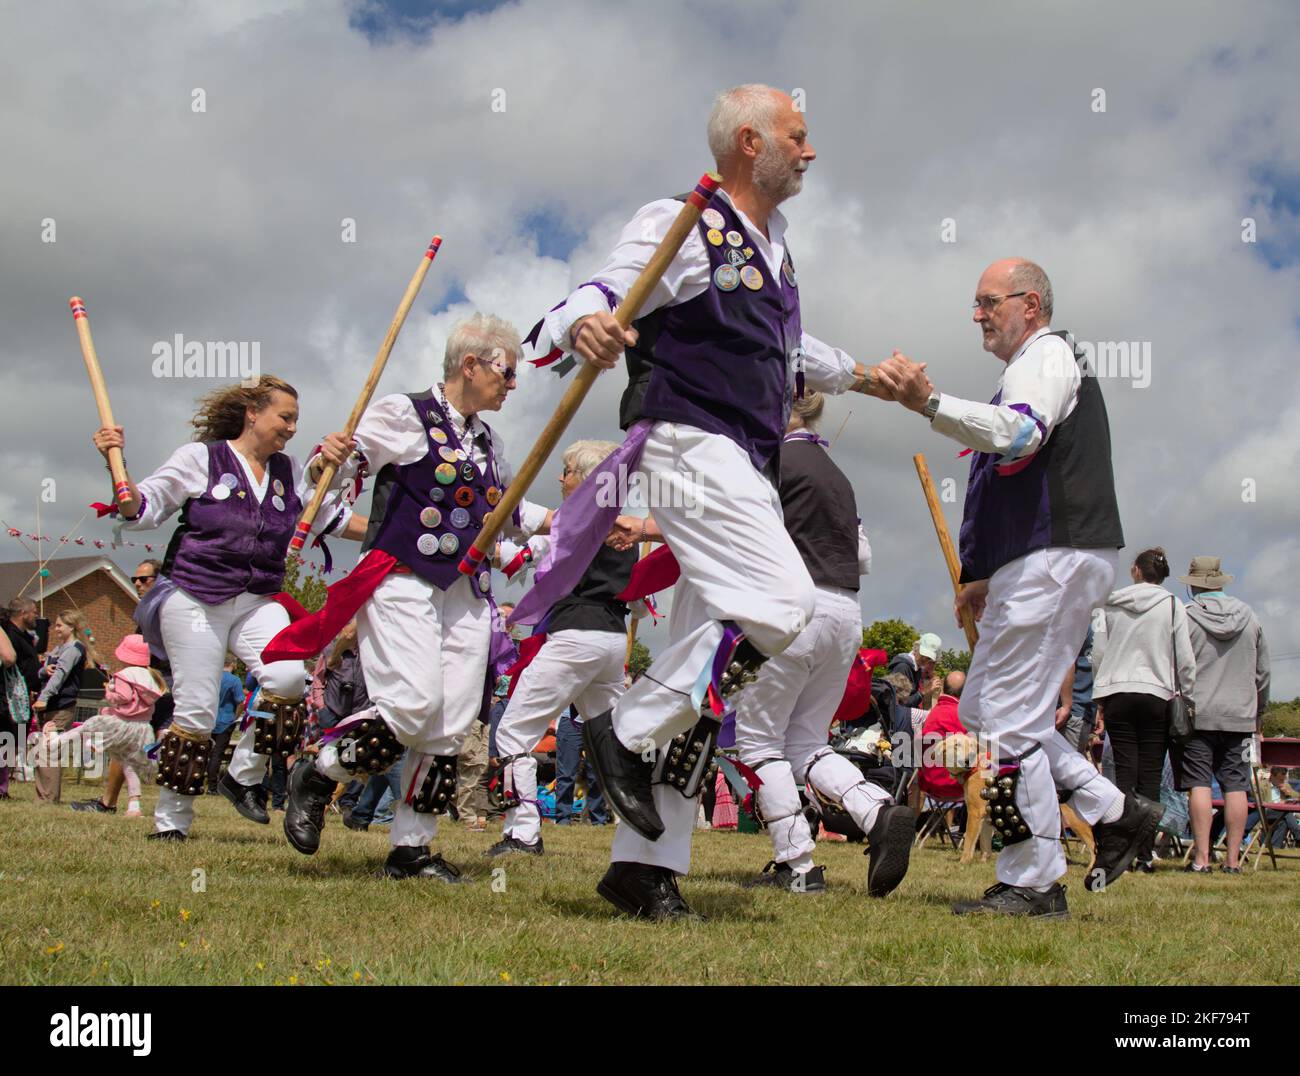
x=434 y=244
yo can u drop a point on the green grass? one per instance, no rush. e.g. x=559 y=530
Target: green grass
x=85 y=899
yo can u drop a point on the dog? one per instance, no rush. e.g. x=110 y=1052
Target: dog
x=971 y=767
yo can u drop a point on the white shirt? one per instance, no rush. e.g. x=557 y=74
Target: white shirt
x=390 y=431
x=689 y=275
x=185 y=476
x=1044 y=376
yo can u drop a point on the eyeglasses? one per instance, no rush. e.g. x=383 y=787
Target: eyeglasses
x=142 y=578
x=507 y=372
x=990 y=303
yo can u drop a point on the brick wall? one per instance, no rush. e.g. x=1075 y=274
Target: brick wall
x=106 y=607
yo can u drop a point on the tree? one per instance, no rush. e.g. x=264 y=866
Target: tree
x=950 y=660
x=309 y=591
x=640 y=659
x=891 y=636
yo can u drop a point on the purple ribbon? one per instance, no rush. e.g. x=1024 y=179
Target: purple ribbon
x=578 y=528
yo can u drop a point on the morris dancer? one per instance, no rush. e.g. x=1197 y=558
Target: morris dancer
x=580 y=662
x=1039 y=540
x=425 y=631
x=713 y=361
x=239 y=495
x=783 y=718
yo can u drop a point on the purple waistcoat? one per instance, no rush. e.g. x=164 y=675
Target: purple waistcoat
x=719 y=361
x=427 y=513
x=229 y=545
x=1064 y=495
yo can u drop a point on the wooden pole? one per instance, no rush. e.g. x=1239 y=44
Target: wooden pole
x=945 y=544
x=303 y=527
x=696 y=202
x=116 y=462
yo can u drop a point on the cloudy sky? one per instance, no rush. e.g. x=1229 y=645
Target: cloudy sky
x=527 y=133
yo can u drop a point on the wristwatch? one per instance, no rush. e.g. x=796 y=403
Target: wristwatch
x=931 y=407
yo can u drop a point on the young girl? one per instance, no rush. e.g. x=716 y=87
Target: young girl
x=123 y=725
x=56 y=705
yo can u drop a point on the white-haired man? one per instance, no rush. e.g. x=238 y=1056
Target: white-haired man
x=424 y=630
x=579 y=662
x=1039 y=538
x=714 y=362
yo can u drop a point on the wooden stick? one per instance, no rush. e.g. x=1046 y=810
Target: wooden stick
x=696 y=202
x=116 y=462
x=631 y=628
x=945 y=544
x=328 y=471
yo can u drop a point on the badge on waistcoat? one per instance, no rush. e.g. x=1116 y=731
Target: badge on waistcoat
x=748 y=252
x=277 y=502
x=485 y=581
x=734 y=257
x=445 y=473
x=440 y=436
x=735 y=239
x=459 y=518
x=229 y=481
x=464 y=496
x=787 y=270
x=437 y=493
x=277 y=487
x=493 y=496
x=726 y=277
x=427 y=544
x=714 y=236
x=713 y=219
x=448 y=544
x=220 y=492
x=448 y=453
x=751 y=277
x=430 y=517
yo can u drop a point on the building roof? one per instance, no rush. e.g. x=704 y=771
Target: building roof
x=16 y=577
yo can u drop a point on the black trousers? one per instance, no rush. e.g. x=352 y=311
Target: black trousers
x=1139 y=737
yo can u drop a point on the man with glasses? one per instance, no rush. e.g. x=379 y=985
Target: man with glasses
x=425 y=632
x=1039 y=538
x=144 y=577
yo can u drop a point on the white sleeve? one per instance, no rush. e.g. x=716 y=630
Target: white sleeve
x=164 y=493
x=826 y=369
x=389 y=432
x=334 y=510
x=864 y=551
x=636 y=243
x=531 y=514
x=1039 y=390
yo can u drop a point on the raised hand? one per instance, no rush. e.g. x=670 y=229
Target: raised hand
x=600 y=339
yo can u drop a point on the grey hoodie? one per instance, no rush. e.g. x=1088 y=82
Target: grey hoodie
x=1232 y=668
x=1136 y=636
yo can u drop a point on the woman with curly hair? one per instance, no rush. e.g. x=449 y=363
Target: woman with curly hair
x=239 y=495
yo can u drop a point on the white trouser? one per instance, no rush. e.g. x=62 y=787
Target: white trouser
x=573 y=666
x=722 y=520
x=197 y=637
x=425 y=654
x=1034 y=622
x=783 y=719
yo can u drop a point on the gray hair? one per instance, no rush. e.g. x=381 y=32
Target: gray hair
x=752 y=105
x=19 y=603
x=1029 y=276
x=583 y=457
x=478 y=334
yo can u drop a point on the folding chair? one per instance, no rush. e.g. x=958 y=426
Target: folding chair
x=1279 y=751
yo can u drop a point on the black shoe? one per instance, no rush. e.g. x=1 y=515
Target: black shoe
x=1003 y=899
x=510 y=845
x=645 y=892
x=94 y=806
x=623 y=775
x=1225 y=869
x=1118 y=841
x=1192 y=868
x=407 y=862
x=248 y=800
x=779 y=876
x=309 y=795
x=167 y=835
x=350 y=820
x=889 y=845
x=1143 y=866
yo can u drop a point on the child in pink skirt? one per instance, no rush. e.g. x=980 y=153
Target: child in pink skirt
x=121 y=730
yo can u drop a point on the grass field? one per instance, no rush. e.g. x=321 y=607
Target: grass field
x=84 y=899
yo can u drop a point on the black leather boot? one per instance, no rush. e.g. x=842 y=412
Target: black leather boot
x=646 y=892
x=416 y=862
x=624 y=776
x=248 y=800
x=304 y=814
x=889 y=846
